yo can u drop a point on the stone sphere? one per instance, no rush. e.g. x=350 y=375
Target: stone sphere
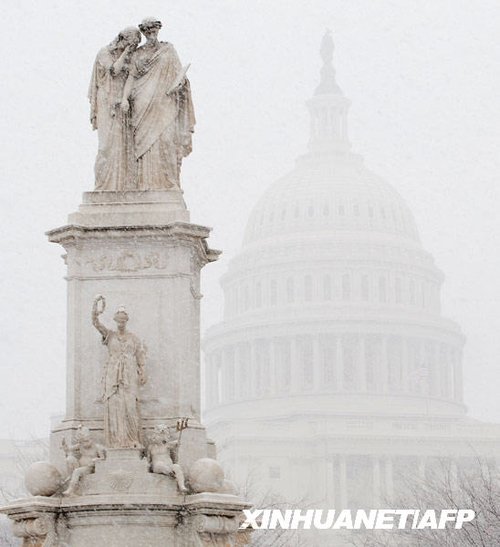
x=206 y=475
x=42 y=479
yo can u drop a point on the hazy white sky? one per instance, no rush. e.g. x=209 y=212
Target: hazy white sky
x=423 y=79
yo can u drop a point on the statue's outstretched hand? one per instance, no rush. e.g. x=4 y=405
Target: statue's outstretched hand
x=96 y=310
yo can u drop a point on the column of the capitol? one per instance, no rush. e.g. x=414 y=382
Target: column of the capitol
x=131 y=463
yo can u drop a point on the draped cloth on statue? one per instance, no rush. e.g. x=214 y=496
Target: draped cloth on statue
x=114 y=163
x=120 y=386
x=162 y=117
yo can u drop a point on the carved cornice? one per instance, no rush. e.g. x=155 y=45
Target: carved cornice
x=195 y=235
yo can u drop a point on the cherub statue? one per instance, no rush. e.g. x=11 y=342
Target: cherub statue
x=81 y=457
x=159 y=453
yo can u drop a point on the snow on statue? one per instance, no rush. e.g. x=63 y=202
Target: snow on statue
x=123 y=374
x=141 y=105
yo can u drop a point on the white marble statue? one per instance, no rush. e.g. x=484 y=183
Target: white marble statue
x=157 y=94
x=160 y=454
x=123 y=374
x=81 y=458
x=114 y=166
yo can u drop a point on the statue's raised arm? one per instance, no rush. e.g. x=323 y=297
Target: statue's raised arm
x=98 y=308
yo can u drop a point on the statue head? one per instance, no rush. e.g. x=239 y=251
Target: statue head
x=126 y=37
x=150 y=26
x=121 y=318
x=160 y=434
x=82 y=436
x=130 y=35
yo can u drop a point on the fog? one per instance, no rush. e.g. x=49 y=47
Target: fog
x=423 y=80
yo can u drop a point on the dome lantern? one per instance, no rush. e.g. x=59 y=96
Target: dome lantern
x=328 y=108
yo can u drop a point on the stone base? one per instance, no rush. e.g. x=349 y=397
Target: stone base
x=122 y=504
x=145 y=520
x=132 y=207
x=125 y=471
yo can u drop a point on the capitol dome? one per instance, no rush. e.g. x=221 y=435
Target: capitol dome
x=332 y=296
x=333 y=373
x=332 y=196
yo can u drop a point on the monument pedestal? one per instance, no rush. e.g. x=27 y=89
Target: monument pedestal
x=123 y=504
x=140 y=251
x=137 y=249
x=201 y=520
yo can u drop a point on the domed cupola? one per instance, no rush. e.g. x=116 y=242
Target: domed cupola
x=328 y=108
x=332 y=305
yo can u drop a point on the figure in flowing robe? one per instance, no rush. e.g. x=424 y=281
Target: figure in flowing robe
x=122 y=376
x=162 y=114
x=114 y=161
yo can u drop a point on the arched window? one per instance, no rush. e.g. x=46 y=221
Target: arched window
x=305 y=356
x=258 y=294
x=282 y=368
x=326 y=210
x=341 y=210
x=355 y=210
x=244 y=382
x=246 y=298
x=346 y=287
x=397 y=290
x=394 y=364
x=365 y=288
x=310 y=210
x=382 y=289
x=412 y=291
x=328 y=353
x=290 y=290
x=273 y=292
x=349 y=362
x=445 y=380
x=229 y=377
x=308 y=288
x=262 y=366
x=327 y=287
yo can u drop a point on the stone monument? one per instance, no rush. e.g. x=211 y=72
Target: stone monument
x=131 y=464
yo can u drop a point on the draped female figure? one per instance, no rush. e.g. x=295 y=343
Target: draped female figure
x=114 y=161
x=123 y=374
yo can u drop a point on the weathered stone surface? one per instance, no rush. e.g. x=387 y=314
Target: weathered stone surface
x=42 y=479
x=141 y=105
x=206 y=475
